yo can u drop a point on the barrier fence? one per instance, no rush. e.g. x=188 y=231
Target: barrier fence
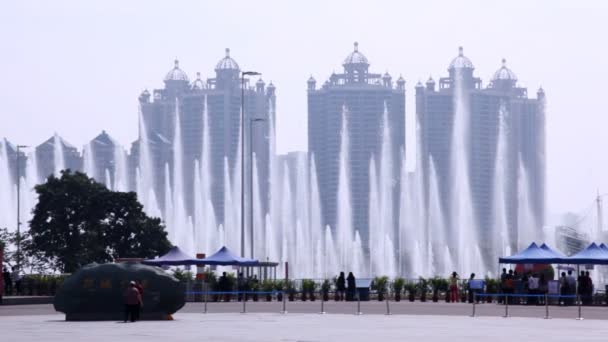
x=507 y=297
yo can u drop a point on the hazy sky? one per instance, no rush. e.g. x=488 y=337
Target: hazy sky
x=77 y=67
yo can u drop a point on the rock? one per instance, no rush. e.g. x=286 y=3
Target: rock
x=96 y=292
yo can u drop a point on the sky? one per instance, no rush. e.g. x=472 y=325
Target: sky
x=77 y=67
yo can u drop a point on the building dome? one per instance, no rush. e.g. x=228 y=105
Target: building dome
x=419 y=85
x=271 y=86
x=430 y=80
x=260 y=82
x=461 y=62
x=227 y=63
x=355 y=57
x=400 y=80
x=198 y=83
x=176 y=74
x=312 y=80
x=504 y=73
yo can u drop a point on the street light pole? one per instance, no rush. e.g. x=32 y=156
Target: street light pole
x=19 y=207
x=243 y=74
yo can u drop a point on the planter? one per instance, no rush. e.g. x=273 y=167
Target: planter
x=336 y=297
x=488 y=299
x=291 y=297
x=303 y=297
x=397 y=297
x=268 y=298
x=280 y=297
x=255 y=297
x=325 y=296
x=423 y=297
x=312 y=297
x=412 y=297
x=380 y=297
x=435 y=297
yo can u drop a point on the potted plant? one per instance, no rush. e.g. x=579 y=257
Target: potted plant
x=462 y=290
x=267 y=287
x=380 y=285
x=336 y=294
x=255 y=287
x=279 y=286
x=312 y=290
x=423 y=287
x=325 y=287
x=411 y=289
x=438 y=284
x=305 y=288
x=491 y=288
x=398 y=285
x=291 y=290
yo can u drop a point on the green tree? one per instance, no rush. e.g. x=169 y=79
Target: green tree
x=78 y=221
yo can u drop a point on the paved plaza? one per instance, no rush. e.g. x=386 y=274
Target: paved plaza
x=262 y=322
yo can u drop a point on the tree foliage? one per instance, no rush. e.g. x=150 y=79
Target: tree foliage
x=78 y=221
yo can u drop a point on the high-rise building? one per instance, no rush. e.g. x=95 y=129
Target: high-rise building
x=501 y=104
x=364 y=95
x=222 y=95
x=56 y=154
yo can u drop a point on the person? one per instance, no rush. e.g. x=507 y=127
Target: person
x=543 y=287
x=533 y=288
x=351 y=286
x=454 y=287
x=571 y=286
x=340 y=287
x=241 y=285
x=588 y=289
x=17 y=279
x=503 y=279
x=8 y=281
x=509 y=286
x=132 y=302
x=470 y=290
x=563 y=287
x=139 y=286
x=222 y=285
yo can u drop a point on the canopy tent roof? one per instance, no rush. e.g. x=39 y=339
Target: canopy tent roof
x=557 y=254
x=225 y=257
x=592 y=255
x=534 y=255
x=175 y=257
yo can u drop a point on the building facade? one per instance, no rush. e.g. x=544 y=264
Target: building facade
x=221 y=95
x=501 y=108
x=364 y=95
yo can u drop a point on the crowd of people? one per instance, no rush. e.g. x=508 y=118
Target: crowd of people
x=12 y=281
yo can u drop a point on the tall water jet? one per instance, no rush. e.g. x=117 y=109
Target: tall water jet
x=316 y=223
x=344 y=224
x=89 y=162
x=463 y=224
x=145 y=179
x=58 y=157
x=7 y=189
x=527 y=227
x=376 y=230
x=436 y=223
x=121 y=171
x=386 y=183
x=331 y=257
x=180 y=224
x=500 y=223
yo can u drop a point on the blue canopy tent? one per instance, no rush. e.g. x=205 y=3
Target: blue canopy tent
x=534 y=255
x=224 y=257
x=552 y=251
x=175 y=257
x=592 y=255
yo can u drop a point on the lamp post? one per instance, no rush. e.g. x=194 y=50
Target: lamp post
x=243 y=74
x=19 y=206
x=252 y=121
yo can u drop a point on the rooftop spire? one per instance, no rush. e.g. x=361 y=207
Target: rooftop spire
x=504 y=62
x=356 y=46
x=227 y=52
x=176 y=62
x=460 y=51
